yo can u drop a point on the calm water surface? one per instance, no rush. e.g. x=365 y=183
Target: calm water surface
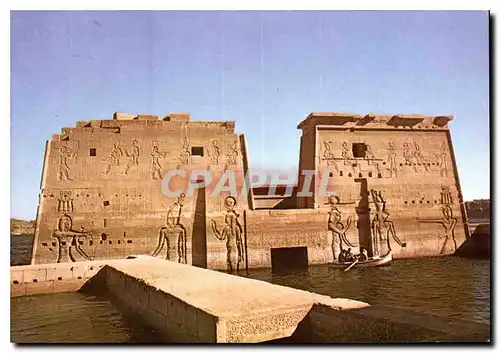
x=444 y=286
x=74 y=318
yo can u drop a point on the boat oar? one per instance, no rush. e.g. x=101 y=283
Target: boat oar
x=351 y=265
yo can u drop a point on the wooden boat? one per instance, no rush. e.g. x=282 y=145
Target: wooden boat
x=371 y=262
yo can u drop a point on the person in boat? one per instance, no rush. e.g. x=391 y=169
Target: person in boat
x=363 y=255
x=342 y=256
x=349 y=257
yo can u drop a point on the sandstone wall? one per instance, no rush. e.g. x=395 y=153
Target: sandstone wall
x=103 y=179
x=408 y=161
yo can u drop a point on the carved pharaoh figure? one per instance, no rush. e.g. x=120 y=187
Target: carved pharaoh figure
x=232 y=154
x=443 y=161
x=67 y=239
x=446 y=198
x=329 y=156
x=391 y=155
x=380 y=221
x=370 y=157
x=132 y=157
x=337 y=227
x=113 y=159
x=419 y=157
x=155 y=162
x=64 y=154
x=232 y=234
x=448 y=222
x=346 y=156
x=214 y=152
x=409 y=156
x=173 y=234
x=65 y=202
x=185 y=153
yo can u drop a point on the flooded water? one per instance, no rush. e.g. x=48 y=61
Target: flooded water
x=445 y=286
x=74 y=318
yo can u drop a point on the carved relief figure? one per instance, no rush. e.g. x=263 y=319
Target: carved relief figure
x=346 y=156
x=174 y=234
x=214 y=152
x=419 y=157
x=329 y=156
x=65 y=202
x=370 y=157
x=337 y=227
x=185 y=153
x=443 y=161
x=64 y=154
x=380 y=221
x=448 y=222
x=409 y=156
x=132 y=157
x=232 y=233
x=446 y=196
x=155 y=162
x=232 y=154
x=67 y=239
x=113 y=159
x=391 y=155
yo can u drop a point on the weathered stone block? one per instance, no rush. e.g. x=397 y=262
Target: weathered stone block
x=33 y=275
x=39 y=287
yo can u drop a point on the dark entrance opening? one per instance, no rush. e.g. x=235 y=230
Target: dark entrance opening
x=289 y=259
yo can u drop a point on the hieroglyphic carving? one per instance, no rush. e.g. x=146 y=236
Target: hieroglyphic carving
x=337 y=227
x=446 y=198
x=346 y=155
x=65 y=153
x=328 y=155
x=232 y=233
x=132 y=157
x=185 y=153
x=391 y=156
x=448 y=222
x=173 y=228
x=370 y=157
x=214 y=152
x=67 y=239
x=379 y=221
x=65 y=202
x=233 y=153
x=155 y=162
x=409 y=156
x=113 y=159
x=419 y=157
x=443 y=160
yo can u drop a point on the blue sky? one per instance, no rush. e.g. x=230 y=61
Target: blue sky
x=265 y=70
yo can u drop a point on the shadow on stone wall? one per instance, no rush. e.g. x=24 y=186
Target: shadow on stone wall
x=324 y=324
x=477 y=246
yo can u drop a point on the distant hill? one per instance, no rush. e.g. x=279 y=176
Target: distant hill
x=478 y=209
x=20 y=227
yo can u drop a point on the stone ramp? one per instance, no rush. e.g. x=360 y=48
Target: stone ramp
x=190 y=304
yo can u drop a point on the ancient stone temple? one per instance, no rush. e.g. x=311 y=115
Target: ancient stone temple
x=124 y=186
